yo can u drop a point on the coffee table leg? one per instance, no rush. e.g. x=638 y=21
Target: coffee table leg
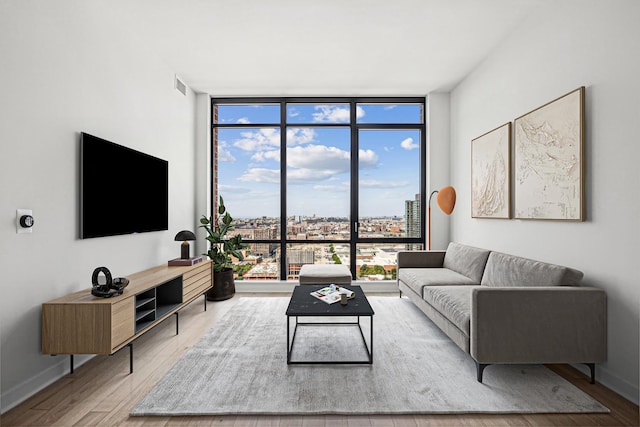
x=288 y=350
x=371 y=339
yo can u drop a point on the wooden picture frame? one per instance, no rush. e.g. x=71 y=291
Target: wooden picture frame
x=491 y=174
x=549 y=160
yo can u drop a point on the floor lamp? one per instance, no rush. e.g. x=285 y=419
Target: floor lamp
x=446 y=198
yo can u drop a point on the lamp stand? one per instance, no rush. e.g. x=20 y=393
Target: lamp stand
x=184 y=250
x=429 y=220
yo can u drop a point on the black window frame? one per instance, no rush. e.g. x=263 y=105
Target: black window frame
x=355 y=128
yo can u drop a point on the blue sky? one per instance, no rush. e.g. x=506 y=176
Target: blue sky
x=318 y=160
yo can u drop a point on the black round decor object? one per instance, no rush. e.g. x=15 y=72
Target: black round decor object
x=121 y=281
x=107 y=275
x=108 y=289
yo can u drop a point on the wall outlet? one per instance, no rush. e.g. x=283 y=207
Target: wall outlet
x=19 y=214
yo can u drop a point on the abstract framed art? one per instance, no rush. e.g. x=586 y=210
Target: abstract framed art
x=549 y=160
x=490 y=174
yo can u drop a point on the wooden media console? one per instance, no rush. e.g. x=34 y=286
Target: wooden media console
x=81 y=323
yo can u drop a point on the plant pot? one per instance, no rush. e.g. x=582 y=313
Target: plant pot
x=224 y=286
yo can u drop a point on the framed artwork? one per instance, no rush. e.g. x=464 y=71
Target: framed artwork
x=549 y=160
x=490 y=174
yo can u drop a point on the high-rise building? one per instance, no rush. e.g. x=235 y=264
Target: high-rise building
x=412 y=220
x=296 y=258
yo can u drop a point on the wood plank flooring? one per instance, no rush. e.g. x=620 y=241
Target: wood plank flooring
x=102 y=393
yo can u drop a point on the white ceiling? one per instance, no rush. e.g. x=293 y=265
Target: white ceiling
x=321 y=47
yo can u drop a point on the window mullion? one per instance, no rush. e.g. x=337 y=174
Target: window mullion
x=283 y=190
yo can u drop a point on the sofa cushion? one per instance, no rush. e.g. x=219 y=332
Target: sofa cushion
x=509 y=270
x=453 y=302
x=466 y=260
x=419 y=278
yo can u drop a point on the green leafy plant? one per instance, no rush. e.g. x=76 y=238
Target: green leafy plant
x=221 y=247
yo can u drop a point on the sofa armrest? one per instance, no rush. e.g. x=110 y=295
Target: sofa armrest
x=417 y=259
x=556 y=324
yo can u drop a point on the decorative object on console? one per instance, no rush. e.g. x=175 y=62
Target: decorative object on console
x=103 y=284
x=182 y=262
x=184 y=236
x=221 y=249
x=549 y=166
x=490 y=174
x=446 y=198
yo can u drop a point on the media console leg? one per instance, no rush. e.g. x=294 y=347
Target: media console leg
x=205 y=301
x=71 y=363
x=177 y=322
x=130 y=357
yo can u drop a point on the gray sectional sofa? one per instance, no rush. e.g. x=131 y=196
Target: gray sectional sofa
x=504 y=309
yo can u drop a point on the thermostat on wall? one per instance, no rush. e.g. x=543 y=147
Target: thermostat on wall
x=24 y=221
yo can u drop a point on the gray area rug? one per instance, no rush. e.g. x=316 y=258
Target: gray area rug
x=239 y=367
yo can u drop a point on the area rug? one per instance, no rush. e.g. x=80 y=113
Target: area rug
x=239 y=367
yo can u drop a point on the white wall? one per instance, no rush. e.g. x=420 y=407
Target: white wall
x=67 y=68
x=562 y=46
x=438 y=135
x=202 y=166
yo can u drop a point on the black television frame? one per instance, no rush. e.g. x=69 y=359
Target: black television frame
x=122 y=191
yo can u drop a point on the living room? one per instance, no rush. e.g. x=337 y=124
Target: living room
x=74 y=66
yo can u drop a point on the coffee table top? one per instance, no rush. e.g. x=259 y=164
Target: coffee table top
x=303 y=304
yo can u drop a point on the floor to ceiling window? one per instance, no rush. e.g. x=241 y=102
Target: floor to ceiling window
x=321 y=180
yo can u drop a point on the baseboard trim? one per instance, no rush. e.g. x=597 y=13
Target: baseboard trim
x=13 y=397
x=612 y=382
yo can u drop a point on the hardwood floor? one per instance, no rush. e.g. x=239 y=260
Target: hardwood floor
x=102 y=393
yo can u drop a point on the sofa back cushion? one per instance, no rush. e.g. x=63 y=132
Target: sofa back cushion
x=466 y=260
x=509 y=270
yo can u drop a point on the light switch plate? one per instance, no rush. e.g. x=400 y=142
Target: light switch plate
x=19 y=214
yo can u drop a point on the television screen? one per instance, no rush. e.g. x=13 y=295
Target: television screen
x=122 y=190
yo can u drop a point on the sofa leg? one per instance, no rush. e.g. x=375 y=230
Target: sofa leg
x=480 y=369
x=400 y=294
x=592 y=368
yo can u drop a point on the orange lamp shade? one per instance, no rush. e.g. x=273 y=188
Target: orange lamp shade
x=446 y=199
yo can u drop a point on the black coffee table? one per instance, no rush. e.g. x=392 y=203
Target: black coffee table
x=302 y=304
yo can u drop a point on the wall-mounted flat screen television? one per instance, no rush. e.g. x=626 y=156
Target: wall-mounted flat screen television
x=122 y=191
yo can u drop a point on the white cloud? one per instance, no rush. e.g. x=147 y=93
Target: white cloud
x=262 y=140
x=297 y=176
x=335 y=114
x=297 y=136
x=408 y=144
x=373 y=183
x=390 y=107
x=338 y=188
x=262 y=156
x=318 y=157
x=243 y=121
x=224 y=155
x=224 y=189
x=261 y=175
x=367 y=158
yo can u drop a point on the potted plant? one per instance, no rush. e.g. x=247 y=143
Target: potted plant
x=221 y=249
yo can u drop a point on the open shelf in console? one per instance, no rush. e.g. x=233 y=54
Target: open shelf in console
x=154 y=303
x=168 y=296
x=145 y=309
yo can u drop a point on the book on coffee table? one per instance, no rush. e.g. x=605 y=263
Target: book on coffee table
x=332 y=294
